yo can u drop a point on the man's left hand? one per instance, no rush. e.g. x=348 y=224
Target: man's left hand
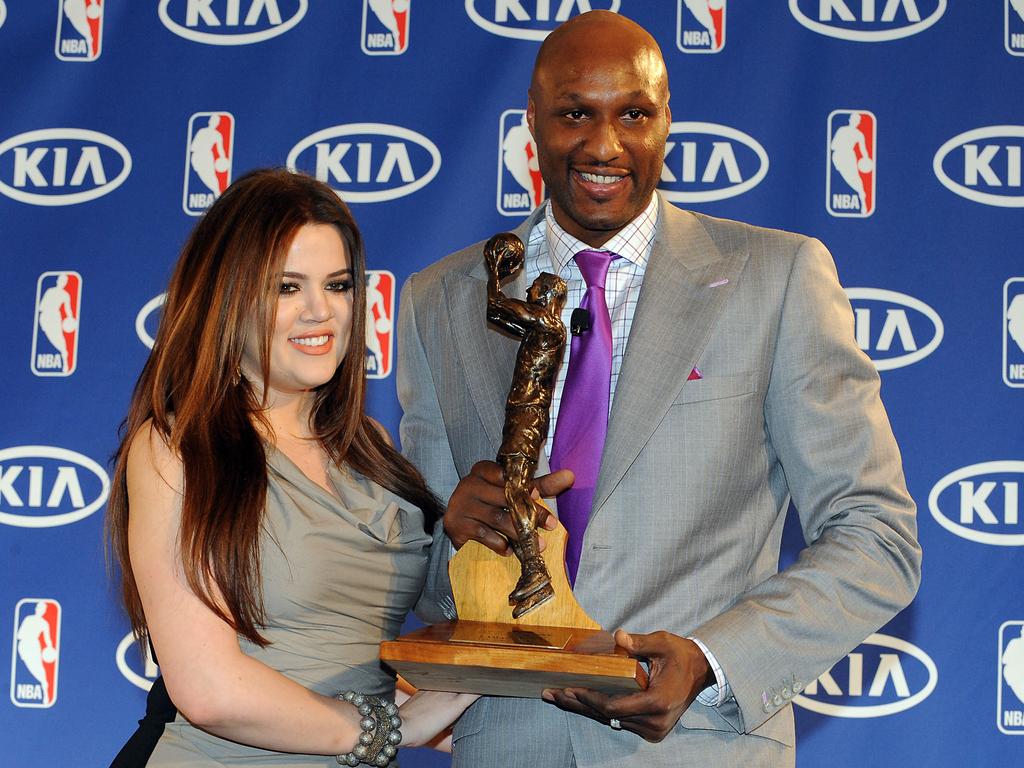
x=678 y=672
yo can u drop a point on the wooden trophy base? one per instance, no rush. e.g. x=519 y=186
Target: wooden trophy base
x=486 y=651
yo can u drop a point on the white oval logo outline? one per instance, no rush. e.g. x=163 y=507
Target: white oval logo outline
x=902 y=299
x=517 y=34
x=3 y=13
x=974 y=470
x=78 y=134
x=985 y=198
x=121 y=658
x=61 y=454
x=880 y=710
x=240 y=38
x=726 y=132
x=376 y=129
x=140 y=319
x=862 y=35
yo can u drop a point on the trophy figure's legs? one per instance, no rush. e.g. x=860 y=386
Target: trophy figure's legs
x=534 y=586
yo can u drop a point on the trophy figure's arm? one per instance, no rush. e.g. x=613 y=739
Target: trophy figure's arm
x=505 y=314
x=513 y=315
x=504 y=256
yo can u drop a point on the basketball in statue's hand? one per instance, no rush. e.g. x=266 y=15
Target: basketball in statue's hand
x=504 y=254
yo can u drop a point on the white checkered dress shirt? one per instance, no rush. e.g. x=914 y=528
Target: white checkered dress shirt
x=551 y=249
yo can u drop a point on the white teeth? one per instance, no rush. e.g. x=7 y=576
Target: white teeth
x=595 y=178
x=312 y=341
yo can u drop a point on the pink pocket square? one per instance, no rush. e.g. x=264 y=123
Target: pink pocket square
x=695 y=374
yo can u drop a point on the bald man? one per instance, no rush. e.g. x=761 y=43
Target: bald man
x=736 y=385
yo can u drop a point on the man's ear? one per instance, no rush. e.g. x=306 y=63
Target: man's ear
x=531 y=114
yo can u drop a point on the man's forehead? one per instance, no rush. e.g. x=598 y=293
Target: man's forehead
x=570 y=94
x=643 y=68
x=618 y=84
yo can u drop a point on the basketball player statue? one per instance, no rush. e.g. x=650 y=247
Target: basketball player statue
x=537 y=321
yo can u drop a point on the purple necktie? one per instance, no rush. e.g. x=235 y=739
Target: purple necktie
x=582 y=423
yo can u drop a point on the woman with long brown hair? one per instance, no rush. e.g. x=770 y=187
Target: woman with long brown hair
x=268 y=534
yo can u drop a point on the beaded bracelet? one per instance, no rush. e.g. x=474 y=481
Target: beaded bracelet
x=377 y=745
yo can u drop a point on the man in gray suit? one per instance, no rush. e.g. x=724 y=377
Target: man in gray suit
x=736 y=386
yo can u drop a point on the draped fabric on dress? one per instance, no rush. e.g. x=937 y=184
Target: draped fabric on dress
x=339 y=576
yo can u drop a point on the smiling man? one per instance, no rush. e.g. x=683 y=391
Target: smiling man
x=717 y=380
x=598 y=110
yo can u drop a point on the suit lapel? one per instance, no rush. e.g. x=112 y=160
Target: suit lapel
x=682 y=296
x=487 y=355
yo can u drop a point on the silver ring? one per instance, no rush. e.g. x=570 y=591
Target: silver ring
x=614 y=724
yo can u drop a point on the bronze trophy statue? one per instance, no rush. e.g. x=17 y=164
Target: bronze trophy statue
x=537 y=321
x=549 y=641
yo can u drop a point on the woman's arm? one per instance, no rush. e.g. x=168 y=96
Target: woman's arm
x=211 y=681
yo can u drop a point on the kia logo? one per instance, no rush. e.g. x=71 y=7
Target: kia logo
x=143 y=317
x=865 y=22
x=883 y=676
x=894 y=329
x=706 y=162
x=59 y=486
x=63 y=166
x=368 y=162
x=235 y=22
x=984 y=165
x=513 y=18
x=981 y=503
x=129 y=647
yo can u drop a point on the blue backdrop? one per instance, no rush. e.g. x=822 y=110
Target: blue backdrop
x=891 y=129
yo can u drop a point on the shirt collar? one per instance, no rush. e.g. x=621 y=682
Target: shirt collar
x=632 y=243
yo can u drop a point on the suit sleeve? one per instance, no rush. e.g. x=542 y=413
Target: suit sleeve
x=425 y=443
x=825 y=422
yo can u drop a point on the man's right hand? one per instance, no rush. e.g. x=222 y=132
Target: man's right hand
x=477 y=511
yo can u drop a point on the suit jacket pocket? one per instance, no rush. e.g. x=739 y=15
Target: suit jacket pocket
x=718 y=387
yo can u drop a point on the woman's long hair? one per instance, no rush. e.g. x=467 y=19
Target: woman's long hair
x=224 y=286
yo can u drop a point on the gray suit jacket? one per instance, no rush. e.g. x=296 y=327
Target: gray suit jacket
x=696 y=476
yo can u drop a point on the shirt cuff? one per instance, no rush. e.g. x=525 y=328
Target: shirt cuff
x=717 y=694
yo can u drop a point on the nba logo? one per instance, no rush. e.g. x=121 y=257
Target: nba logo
x=385 y=27
x=208 y=153
x=1013 y=332
x=380 y=315
x=700 y=26
x=1010 y=696
x=520 y=187
x=850 y=174
x=35 y=656
x=1014 y=28
x=79 y=30
x=55 y=328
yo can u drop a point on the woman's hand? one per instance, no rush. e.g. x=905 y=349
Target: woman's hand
x=427 y=715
